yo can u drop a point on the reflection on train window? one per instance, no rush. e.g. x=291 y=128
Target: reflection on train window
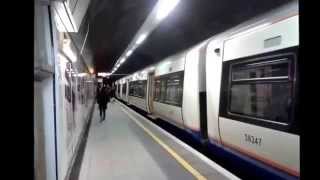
x=256 y=71
x=262 y=90
x=169 y=88
x=174 y=90
x=156 y=95
x=267 y=101
x=124 y=89
x=131 y=88
x=138 y=88
x=163 y=90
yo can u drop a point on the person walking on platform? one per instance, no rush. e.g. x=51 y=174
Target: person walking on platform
x=102 y=100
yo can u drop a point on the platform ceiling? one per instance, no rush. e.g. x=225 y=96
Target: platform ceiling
x=113 y=24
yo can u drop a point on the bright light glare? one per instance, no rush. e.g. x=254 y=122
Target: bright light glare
x=70 y=54
x=68 y=51
x=103 y=74
x=91 y=70
x=122 y=60
x=62 y=58
x=165 y=7
x=129 y=53
x=81 y=74
x=141 y=38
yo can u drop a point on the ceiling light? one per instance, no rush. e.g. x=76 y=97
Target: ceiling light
x=103 y=74
x=165 y=7
x=122 y=60
x=129 y=53
x=141 y=38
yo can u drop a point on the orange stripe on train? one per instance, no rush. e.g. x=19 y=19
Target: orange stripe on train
x=265 y=160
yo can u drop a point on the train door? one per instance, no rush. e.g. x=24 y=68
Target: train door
x=120 y=91
x=123 y=91
x=150 y=85
x=117 y=90
x=213 y=63
x=127 y=91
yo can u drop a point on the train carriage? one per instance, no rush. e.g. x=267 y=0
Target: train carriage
x=236 y=90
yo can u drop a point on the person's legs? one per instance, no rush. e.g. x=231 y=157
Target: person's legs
x=100 y=110
x=103 y=110
x=104 y=113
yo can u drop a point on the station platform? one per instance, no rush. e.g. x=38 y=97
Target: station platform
x=126 y=145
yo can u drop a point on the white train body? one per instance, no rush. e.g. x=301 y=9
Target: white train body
x=237 y=89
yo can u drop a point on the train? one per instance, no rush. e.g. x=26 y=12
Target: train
x=237 y=91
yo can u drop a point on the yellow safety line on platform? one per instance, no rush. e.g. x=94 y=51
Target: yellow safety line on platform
x=183 y=162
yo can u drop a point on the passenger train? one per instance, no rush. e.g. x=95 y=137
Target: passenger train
x=237 y=90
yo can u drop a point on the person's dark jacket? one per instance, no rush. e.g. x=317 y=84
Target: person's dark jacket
x=102 y=96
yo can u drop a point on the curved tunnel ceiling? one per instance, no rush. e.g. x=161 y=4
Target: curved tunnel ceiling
x=113 y=24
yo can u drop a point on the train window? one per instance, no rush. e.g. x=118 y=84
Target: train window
x=268 y=101
x=260 y=71
x=131 y=88
x=174 y=89
x=124 y=89
x=168 y=89
x=157 y=84
x=163 y=90
x=260 y=90
x=138 y=88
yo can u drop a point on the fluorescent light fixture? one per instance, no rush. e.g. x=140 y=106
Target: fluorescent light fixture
x=122 y=60
x=165 y=7
x=103 y=74
x=129 y=53
x=141 y=38
x=118 y=65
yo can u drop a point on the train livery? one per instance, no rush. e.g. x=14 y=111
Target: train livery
x=237 y=90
